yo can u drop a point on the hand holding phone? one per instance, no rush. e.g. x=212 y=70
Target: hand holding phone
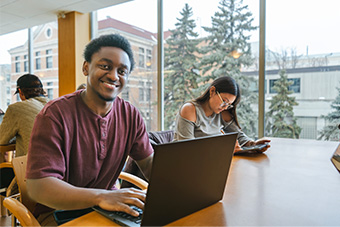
x=252 y=149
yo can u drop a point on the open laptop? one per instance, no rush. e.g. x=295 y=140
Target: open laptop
x=186 y=176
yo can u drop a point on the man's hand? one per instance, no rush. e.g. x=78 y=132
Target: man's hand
x=119 y=200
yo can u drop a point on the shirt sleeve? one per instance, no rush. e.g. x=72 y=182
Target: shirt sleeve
x=45 y=157
x=9 y=126
x=242 y=137
x=184 y=129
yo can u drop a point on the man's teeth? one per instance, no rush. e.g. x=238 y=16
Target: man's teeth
x=111 y=85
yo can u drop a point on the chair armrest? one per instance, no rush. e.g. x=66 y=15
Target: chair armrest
x=24 y=216
x=142 y=184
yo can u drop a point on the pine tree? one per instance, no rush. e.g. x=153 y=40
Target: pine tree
x=331 y=130
x=180 y=57
x=227 y=49
x=280 y=117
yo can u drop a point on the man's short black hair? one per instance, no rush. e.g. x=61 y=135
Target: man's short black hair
x=111 y=40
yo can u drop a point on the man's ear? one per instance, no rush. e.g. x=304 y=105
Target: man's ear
x=21 y=95
x=86 y=68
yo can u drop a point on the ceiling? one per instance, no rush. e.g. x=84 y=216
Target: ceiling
x=20 y=14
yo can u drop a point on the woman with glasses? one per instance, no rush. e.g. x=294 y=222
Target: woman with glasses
x=213 y=113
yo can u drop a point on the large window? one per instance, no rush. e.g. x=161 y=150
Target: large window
x=303 y=60
x=302 y=71
x=204 y=44
x=141 y=30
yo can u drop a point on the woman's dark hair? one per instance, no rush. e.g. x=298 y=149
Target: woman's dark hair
x=224 y=84
x=111 y=40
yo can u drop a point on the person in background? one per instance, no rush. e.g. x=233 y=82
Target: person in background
x=213 y=113
x=80 y=141
x=19 y=118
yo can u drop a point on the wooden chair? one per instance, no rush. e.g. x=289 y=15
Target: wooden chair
x=155 y=137
x=22 y=210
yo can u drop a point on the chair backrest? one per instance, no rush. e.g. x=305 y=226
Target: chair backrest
x=19 y=166
x=155 y=137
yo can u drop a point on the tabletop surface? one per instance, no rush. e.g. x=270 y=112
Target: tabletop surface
x=293 y=183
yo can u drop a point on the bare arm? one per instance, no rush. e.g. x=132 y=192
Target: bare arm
x=188 y=112
x=58 y=194
x=145 y=165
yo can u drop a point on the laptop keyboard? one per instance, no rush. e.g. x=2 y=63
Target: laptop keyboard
x=134 y=219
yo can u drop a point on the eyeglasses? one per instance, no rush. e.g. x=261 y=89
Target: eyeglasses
x=224 y=104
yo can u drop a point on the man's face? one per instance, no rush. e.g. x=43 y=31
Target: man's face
x=107 y=73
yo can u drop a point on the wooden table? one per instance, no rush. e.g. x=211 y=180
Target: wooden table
x=294 y=183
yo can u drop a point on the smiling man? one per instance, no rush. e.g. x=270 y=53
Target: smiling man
x=80 y=141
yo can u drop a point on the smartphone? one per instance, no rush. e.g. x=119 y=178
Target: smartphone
x=252 y=149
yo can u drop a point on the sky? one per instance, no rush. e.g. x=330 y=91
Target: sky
x=299 y=24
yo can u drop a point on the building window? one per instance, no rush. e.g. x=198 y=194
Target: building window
x=8 y=102
x=141 y=62
x=17 y=64
x=295 y=87
x=8 y=77
x=17 y=67
x=49 y=59
x=48 y=33
x=148 y=59
x=141 y=91
x=37 y=63
x=37 y=60
x=8 y=90
x=50 y=93
x=148 y=91
x=25 y=63
x=49 y=86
